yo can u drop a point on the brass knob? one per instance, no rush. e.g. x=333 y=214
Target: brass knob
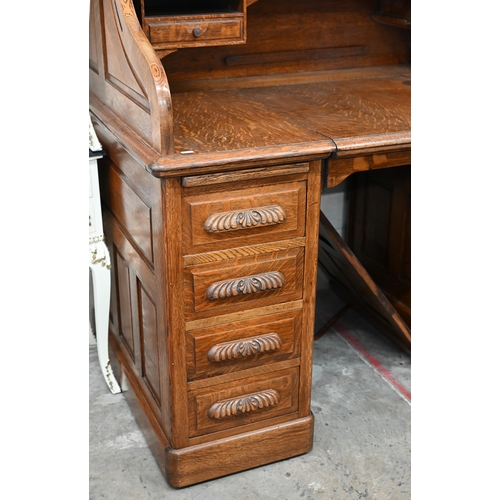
x=197 y=31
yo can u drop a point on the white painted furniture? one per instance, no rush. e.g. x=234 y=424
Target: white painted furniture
x=99 y=264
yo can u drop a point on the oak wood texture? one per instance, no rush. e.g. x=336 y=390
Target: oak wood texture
x=195 y=31
x=192 y=23
x=226 y=456
x=211 y=197
x=207 y=404
x=380 y=231
x=340 y=168
x=126 y=74
x=144 y=416
x=244 y=175
x=202 y=280
x=300 y=36
x=202 y=209
x=358 y=115
x=136 y=320
x=238 y=120
x=354 y=283
x=215 y=350
x=346 y=117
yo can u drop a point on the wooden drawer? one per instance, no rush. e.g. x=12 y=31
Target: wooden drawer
x=195 y=30
x=239 y=403
x=239 y=217
x=245 y=283
x=243 y=344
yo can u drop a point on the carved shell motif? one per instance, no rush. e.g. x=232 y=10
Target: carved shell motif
x=246 y=347
x=243 y=286
x=230 y=221
x=244 y=404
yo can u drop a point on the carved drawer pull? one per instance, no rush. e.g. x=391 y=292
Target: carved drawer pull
x=246 y=347
x=244 y=404
x=243 y=286
x=243 y=219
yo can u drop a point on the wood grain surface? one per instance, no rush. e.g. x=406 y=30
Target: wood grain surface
x=225 y=456
x=216 y=350
x=293 y=28
x=360 y=115
x=201 y=207
x=345 y=110
x=211 y=194
x=356 y=286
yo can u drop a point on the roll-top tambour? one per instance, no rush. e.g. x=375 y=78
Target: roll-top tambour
x=245 y=219
x=244 y=404
x=244 y=347
x=246 y=285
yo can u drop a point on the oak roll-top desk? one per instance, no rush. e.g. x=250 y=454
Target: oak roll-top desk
x=222 y=121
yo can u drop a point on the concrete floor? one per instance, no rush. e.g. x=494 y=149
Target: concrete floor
x=361 y=403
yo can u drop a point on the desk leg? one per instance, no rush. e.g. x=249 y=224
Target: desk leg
x=101 y=278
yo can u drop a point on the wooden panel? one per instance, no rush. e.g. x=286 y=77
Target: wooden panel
x=276 y=79
x=133 y=84
x=356 y=286
x=124 y=303
x=94 y=34
x=241 y=217
x=256 y=272
x=118 y=71
x=131 y=212
x=243 y=344
x=235 y=404
x=149 y=343
x=380 y=231
x=294 y=27
x=133 y=286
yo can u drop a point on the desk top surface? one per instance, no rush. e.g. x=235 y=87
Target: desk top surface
x=332 y=113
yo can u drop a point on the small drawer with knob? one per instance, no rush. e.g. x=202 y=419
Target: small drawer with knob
x=186 y=31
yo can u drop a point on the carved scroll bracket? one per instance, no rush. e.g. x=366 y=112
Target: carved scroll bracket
x=244 y=404
x=246 y=285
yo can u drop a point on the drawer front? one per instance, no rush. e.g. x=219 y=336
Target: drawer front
x=243 y=344
x=196 y=31
x=241 y=217
x=243 y=283
x=239 y=403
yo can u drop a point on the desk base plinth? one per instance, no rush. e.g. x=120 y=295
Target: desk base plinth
x=237 y=453
x=221 y=457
